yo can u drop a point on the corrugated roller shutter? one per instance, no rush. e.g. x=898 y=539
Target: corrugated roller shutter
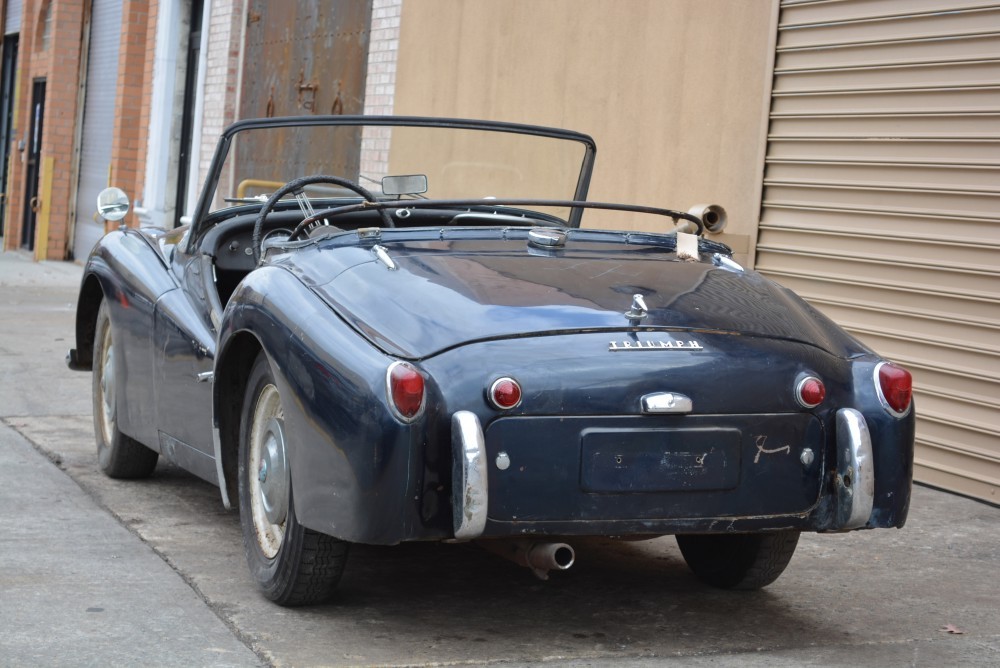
x=12 y=17
x=98 y=122
x=882 y=203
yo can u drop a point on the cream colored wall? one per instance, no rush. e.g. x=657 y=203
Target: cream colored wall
x=675 y=92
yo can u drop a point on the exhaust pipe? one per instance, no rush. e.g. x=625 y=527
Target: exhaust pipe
x=540 y=557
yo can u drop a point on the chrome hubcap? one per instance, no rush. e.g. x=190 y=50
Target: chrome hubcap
x=268 y=473
x=273 y=473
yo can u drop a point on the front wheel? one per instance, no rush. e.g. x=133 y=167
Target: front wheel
x=738 y=561
x=292 y=565
x=118 y=455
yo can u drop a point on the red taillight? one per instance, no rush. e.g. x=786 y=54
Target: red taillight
x=810 y=392
x=895 y=388
x=505 y=393
x=406 y=390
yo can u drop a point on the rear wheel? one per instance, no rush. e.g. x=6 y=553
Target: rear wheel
x=118 y=455
x=738 y=561
x=292 y=565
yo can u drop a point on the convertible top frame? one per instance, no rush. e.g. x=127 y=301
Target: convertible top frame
x=222 y=150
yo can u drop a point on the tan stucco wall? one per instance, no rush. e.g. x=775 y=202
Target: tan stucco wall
x=674 y=91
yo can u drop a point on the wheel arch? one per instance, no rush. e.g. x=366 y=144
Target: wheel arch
x=91 y=295
x=232 y=370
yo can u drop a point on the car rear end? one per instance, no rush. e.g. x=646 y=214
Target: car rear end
x=664 y=432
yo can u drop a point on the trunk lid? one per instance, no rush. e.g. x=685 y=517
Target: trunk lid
x=442 y=294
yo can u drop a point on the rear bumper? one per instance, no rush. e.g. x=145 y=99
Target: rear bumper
x=843 y=493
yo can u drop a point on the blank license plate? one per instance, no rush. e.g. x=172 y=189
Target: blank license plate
x=660 y=460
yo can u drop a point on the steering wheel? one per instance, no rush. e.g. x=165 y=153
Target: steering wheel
x=296 y=185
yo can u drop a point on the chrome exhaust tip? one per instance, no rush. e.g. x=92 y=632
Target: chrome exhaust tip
x=540 y=556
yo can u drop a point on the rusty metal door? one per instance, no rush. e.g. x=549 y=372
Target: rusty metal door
x=306 y=57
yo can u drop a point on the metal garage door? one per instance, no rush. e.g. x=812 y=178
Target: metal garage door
x=98 y=122
x=882 y=203
x=12 y=17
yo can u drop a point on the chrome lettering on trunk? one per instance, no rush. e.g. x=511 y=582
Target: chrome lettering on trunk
x=619 y=346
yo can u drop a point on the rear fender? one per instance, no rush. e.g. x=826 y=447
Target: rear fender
x=892 y=450
x=349 y=458
x=891 y=440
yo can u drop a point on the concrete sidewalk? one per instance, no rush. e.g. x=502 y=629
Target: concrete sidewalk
x=76 y=587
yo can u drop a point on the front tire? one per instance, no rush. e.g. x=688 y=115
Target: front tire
x=738 y=561
x=292 y=565
x=118 y=455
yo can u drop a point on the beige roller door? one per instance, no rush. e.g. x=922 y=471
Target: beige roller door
x=881 y=203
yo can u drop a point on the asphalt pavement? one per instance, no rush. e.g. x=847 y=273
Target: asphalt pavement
x=101 y=572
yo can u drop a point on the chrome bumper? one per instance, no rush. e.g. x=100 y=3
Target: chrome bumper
x=469 y=489
x=855 y=480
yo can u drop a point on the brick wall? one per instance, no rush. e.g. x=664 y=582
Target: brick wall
x=57 y=59
x=380 y=84
x=135 y=76
x=222 y=67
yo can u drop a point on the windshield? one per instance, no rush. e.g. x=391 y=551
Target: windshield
x=483 y=161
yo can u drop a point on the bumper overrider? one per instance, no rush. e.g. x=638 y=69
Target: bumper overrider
x=469 y=478
x=853 y=480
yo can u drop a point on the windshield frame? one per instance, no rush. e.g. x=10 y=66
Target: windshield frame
x=200 y=225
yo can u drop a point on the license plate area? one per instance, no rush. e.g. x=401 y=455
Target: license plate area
x=663 y=460
x=566 y=468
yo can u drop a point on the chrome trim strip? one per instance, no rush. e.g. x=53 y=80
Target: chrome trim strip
x=666 y=402
x=217 y=446
x=855 y=482
x=469 y=491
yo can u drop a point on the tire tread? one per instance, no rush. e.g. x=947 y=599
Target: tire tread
x=738 y=561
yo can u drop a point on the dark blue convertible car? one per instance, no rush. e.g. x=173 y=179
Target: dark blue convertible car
x=379 y=330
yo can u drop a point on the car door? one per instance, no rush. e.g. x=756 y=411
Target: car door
x=184 y=341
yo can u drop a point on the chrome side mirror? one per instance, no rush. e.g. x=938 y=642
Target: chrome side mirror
x=112 y=204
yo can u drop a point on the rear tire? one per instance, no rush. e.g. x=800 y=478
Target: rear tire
x=738 y=561
x=292 y=565
x=118 y=455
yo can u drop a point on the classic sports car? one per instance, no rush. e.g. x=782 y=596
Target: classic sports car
x=379 y=330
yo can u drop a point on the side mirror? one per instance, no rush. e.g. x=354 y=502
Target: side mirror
x=112 y=204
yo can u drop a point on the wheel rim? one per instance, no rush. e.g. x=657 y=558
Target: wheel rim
x=107 y=386
x=267 y=474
